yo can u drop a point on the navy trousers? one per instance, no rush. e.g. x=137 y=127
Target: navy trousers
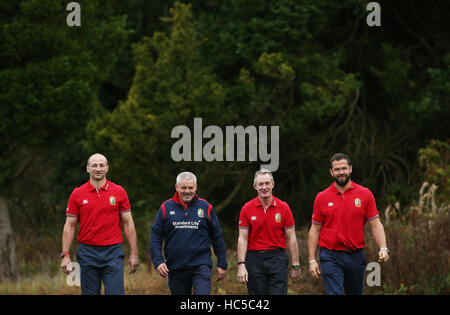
x=181 y=282
x=101 y=264
x=267 y=272
x=343 y=273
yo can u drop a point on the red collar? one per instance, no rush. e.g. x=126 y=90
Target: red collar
x=259 y=204
x=177 y=199
x=335 y=191
x=92 y=188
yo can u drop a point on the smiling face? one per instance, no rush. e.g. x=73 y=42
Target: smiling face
x=341 y=172
x=263 y=185
x=186 y=190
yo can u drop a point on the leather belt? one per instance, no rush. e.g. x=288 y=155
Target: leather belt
x=264 y=251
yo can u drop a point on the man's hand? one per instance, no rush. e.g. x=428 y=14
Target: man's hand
x=383 y=255
x=314 y=268
x=163 y=270
x=296 y=275
x=133 y=263
x=220 y=273
x=242 y=274
x=66 y=264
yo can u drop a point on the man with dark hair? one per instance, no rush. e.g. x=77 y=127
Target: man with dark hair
x=338 y=157
x=339 y=215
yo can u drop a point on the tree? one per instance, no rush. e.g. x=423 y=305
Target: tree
x=49 y=78
x=171 y=86
x=315 y=69
x=376 y=93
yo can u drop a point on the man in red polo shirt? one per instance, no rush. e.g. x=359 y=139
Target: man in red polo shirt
x=100 y=206
x=266 y=228
x=339 y=215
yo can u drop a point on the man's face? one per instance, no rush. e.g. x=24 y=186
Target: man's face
x=341 y=172
x=97 y=167
x=186 y=190
x=264 y=185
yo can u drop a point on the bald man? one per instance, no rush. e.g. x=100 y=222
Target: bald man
x=100 y=207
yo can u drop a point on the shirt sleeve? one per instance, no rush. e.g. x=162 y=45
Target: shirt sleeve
x=370 y=210
x=317 y=216
x=217 y=240
x=243 y=220
x=124 y=205
x=72 y=209
x=156 y=238
x=289 y=218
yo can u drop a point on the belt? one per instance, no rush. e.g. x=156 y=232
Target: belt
x=350 y=251
x=264 y=251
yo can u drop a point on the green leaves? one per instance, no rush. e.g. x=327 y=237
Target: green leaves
x=50 y=74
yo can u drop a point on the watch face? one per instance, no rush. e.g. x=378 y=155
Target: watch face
x=296 y=267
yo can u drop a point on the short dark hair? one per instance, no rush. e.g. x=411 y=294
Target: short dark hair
x=338 y=157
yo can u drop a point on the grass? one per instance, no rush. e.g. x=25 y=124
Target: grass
x=145 y=281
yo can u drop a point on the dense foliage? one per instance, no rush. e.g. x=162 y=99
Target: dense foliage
x=136 y=69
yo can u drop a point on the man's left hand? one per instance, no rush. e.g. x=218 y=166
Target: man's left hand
x=133 y=263
x=220 y=273
x=383 y=255
x=296 y=275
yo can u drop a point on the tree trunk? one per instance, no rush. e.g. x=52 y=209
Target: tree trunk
x=8 y=268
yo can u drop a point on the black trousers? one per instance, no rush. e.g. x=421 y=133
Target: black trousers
x=267 y=272
x=181 y=282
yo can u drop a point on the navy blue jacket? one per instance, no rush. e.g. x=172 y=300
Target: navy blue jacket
x=187 y=232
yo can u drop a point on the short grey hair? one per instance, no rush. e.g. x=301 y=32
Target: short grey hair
x=186 y=176
x=263 y=171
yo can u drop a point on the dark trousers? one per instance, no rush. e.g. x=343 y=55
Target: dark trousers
x=101 y=263
x=181 y=282
x=267 y=272
x=343 y=273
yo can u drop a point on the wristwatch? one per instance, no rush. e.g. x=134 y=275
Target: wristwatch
x=64 y=254
x=296 y=267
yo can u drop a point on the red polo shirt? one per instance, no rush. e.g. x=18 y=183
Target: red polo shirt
x=266 y=229
x=343 y=216
x=98 y=211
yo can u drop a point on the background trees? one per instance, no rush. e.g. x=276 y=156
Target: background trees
x=50 y=77
x=136 y=69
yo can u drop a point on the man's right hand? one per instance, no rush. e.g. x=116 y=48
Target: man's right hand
x=163 y=270
x=66 y=264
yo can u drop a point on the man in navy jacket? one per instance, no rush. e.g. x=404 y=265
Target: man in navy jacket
x=188 y=226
